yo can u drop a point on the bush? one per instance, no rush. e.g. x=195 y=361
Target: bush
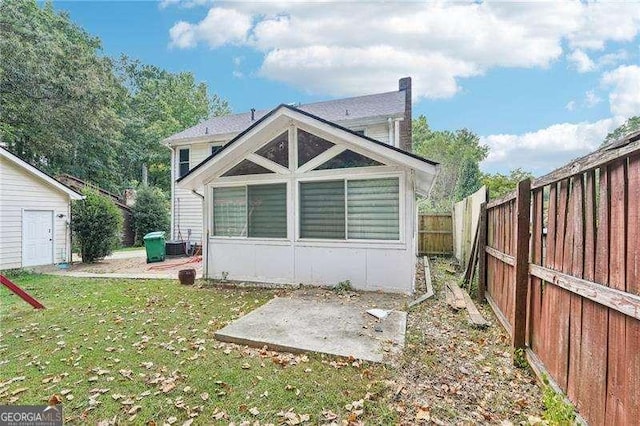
x=96 y=224
x=150 y=213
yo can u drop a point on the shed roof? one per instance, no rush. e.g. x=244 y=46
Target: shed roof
x=389 y=104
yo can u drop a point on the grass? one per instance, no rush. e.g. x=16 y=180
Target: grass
x=138 y=351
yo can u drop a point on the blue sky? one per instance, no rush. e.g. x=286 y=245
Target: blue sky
x=540 y=83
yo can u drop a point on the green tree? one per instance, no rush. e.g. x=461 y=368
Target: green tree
x=150 y=213
x=500 y=185
x=454 y=151
x=97 y=225
x=159 y=104
x=469 y=180
x=58 y=97
x=629 y=126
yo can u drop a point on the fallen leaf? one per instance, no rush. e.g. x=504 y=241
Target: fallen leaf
x=204 y=396
x=17 y=391
x=134 y=409
x=254 y=411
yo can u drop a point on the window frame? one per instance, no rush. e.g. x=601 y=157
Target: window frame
x=345 y=178
x=210 y=214
x=180 y=162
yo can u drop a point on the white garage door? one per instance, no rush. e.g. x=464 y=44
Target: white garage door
x=37 y=237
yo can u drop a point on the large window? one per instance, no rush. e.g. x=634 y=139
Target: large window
x=183 y=161
x=258 y=211
x=353 y=209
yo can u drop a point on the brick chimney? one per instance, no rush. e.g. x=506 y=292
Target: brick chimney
x=405 y=125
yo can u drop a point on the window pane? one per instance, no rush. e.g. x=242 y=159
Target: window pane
x=277 y=150
x=268 y=211
x=246 y=167
x=230 y=212
x=348 y=159
x=310 y=146
x=184 y=169
x=216 y=148
x=183 y=162
x=322 y=209
x=373 y=209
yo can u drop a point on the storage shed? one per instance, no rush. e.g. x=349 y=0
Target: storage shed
x=35 y=214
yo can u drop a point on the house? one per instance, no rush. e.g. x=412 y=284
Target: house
x=127 y=238
x=35 y=213
x=385 y=117
x=298 y=198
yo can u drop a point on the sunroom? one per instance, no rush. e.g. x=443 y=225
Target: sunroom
x=296 y=199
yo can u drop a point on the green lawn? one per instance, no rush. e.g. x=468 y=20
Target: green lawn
x=137 y=351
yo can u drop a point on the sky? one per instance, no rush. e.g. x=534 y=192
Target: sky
x=541 y=83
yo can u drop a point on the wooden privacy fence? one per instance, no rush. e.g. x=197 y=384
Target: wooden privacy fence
x=435 y=234
x=465 y=224
x=561 y=269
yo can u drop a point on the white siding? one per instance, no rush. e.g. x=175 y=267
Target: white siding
x=20 y=190
x=187 y=206
x=378 y=132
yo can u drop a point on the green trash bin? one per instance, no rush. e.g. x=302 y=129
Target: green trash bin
x=154 y=244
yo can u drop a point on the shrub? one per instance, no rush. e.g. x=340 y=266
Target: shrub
x=150 y=213
x=96 y=223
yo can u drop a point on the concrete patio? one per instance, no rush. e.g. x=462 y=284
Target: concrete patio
x=332 y=326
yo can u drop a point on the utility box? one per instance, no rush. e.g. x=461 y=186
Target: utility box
x=154 y=245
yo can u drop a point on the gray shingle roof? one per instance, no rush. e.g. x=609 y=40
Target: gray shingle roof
x=338 y=110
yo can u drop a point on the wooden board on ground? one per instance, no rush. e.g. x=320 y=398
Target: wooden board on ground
x=457 y=301
x=475 y=316
x=428 y=286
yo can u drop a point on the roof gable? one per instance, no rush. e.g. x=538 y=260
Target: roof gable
x=39 y=174
x=287 y=115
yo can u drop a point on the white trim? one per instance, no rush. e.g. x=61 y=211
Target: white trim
x=265 y=162
x=34 y=171
x=322 y=158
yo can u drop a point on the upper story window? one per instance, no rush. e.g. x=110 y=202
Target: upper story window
x=215 y=148
x=183 y=161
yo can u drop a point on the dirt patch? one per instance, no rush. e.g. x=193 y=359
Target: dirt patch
x=138 y=265
x=452 y=373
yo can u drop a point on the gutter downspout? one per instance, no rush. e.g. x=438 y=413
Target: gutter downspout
x=173 y=193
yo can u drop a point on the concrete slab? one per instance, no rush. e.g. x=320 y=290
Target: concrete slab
x=327 y=326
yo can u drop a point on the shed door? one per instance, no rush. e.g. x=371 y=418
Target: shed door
x=37 y=237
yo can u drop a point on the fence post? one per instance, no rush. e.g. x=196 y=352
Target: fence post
x=482 y=252
x=523 y=219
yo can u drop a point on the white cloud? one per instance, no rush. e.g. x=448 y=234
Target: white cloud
x=581 y=61
x=546 y=149
x=570 y=106
x=221 y=26
x=624 y=98
x=364 y=47
x=591 y=99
